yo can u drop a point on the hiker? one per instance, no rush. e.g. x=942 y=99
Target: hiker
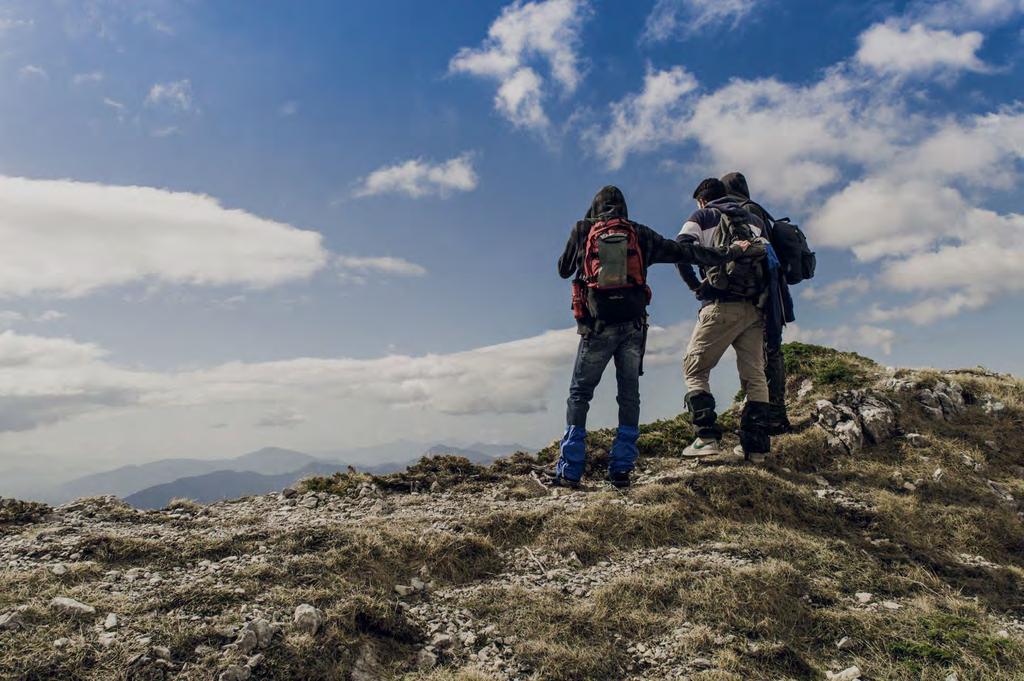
x=778 y=312
x=732 y=297
x=608 y=255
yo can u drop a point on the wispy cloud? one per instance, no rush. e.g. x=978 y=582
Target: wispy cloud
x=356 y=266
x=31 y=71
x=91 y=77
x=683 y=18
x=417 y=178
x=289 y=108
x=175 y=95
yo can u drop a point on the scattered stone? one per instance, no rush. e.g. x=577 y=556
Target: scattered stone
x=235 y=673
x=308 y=619
x=106 y=639
x=61 y=643
x=59 y=569
x=71 y=607
x=426 y=660
x=952 y=676
x=11 y=620
x=805 y=388
x=863 y=597
x=916 y=440
x=1002 y=633
x=845 y=643
x=289 y=492
x=404 y=590
x=441 y=641
x=891 y=605
x=848 y=674
x=110 y=622
x=937 y=474
x=161 y=652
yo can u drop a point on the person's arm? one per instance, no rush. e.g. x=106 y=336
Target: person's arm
x=568 y=261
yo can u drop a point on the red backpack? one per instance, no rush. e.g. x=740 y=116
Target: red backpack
x=612 y=287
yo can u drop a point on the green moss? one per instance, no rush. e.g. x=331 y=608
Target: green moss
x=826 y=366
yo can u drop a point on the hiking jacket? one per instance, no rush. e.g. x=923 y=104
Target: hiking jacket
x=699 y=228
x=610 y=203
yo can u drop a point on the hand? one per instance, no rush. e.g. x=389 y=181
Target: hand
x=744 y=245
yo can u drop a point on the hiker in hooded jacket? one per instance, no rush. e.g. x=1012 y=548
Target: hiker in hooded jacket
x=608 y=255
x=777 y=313
x=733 y=297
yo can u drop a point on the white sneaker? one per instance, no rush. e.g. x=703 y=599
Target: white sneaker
x=701 y=447
x=753 y=457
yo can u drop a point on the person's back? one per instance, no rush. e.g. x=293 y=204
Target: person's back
x=776 y=316
x=729 y=316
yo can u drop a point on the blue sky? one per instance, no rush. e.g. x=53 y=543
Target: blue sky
x=323 y=224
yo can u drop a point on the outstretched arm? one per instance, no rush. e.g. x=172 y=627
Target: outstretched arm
x=569 y=260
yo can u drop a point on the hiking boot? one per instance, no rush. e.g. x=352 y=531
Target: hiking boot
x=555 y=480
x=777 y=422
x=619 y=480
x=701 y=447
x=752 y=457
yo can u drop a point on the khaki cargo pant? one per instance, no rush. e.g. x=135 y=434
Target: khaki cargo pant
x=720 y=325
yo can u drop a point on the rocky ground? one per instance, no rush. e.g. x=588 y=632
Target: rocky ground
x=882 y=541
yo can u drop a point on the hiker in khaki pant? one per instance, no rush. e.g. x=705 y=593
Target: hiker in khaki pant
x=720 y=325
x=730 y=316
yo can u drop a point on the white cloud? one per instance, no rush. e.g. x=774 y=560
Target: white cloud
x=50 y=316
x=46 y=380
x=418 y=178
x=645 y=121
x=113 y=104
x=832 y=294
x=525 y=35
x=166 y=131
x=682 y=18
x=69 y=238
x=960 y=13
x=90 y=77
x=929 y=310
x=360 y=268
x=32 y=71
x=289 y=108
x=790 y=140
x=891 y=48
x=864 y=338
x=175 y=95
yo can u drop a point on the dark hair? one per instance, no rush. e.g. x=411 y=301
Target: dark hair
x=709 y=190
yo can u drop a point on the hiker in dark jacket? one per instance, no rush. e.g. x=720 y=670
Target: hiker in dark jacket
x=777 y=314
x=732 y=301
x=612 y=321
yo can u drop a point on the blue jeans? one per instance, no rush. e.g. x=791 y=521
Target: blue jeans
x=624 y=344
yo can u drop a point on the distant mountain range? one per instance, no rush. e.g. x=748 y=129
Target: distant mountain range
x=153 y=485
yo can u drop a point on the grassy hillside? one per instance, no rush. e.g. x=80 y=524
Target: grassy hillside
x=885 y=535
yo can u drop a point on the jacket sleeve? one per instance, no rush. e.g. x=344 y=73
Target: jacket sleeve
x=568 y=262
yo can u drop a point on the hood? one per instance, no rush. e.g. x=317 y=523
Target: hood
x=736 y=184
x=608 y=203
x=728 y=205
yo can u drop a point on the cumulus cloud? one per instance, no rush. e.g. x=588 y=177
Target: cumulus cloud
x=645 y=121
x=417 y=178
x=525 y=36
x=174 y=95
x=69 y=238
x=683 y=18
x=891 y=48
x=793 y=138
